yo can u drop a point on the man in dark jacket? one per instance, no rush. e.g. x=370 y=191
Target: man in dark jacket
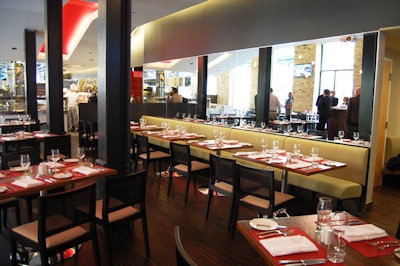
x=352 y=113
x=324 y=103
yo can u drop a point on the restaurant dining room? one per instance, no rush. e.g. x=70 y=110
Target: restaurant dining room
x=216 y=132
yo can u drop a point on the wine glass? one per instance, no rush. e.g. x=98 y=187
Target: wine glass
x=222 y=135
x=55 y=155
x=341 y=134
x=314 y=155
x=299 y=129
x=262 y=124
x=296 y=152
x=356 y=136
x=339 y=223
x=80 y=153
x=264 y=145
x=253 y=124
x=275 y=147
x=25 y=161
x=215 y=134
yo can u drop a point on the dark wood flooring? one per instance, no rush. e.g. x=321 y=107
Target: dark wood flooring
x=207 y=241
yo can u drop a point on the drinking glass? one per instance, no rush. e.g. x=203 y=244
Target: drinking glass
x=299 y=129
x=262 y=124
x=289 y=128
x=356 y=136
x=314 y=155
x=253 y=124
x=80 y=153
x=195 y=116
x=336 y=248
x=222 y=135
x=28 y=117
x=341 y=134
x=264 y=145
x=296 y=152
x=275 y=147
x=324 y=210
x=236 y=122
x=25 y=161
x=183 y=115
x=55 y=155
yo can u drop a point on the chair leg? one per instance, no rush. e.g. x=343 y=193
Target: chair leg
x=13 y=247
x=29 y=207
x=95 y=244
x=170 y=182
x=210 y=195
x=145 y=231
x=18 y=214
x=187 y=188
x=234 y=219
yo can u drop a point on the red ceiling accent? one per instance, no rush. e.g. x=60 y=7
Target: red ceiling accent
x=75 y=14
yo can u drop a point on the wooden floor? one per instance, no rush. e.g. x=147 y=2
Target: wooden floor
x=207 y=241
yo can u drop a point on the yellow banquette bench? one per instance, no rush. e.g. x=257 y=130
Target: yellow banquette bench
x=345 y=183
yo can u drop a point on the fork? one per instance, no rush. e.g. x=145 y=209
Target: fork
x=389 y=245
x=377 y=243
x=283 y=233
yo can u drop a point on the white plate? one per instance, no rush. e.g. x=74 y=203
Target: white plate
x=397 y=252
x=2 y=189
x=263 y=224
x=62 y=175
x=71 y=160
x=18 y=169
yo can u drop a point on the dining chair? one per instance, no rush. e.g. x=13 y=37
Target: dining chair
x=145 y=154
x=92 y=137
x=82 y=133
x=66 y=220
x=257 y=192
x=121 y=195
x=223 y=180
x=182 y=257
x=5 y=205
x=61 y=142
x=398 y=231
x=181 y=162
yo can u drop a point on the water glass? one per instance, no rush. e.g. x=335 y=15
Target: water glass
x=25 y=161
x=356 y=136
x=299 y=129
x=80 y=153
x=314 y=155
x=253 y=124
x=264 y=145
x=324 y=210
x=336 y=250
x=262 y=124
x=296 y=153
x=275 y=147
x=341 y=134
x=55 y=155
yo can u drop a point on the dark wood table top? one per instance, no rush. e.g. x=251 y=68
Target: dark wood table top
x=48 y=182
x=307 y=224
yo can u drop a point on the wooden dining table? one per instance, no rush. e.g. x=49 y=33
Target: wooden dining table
x=67 y=175
x=281 y=163
x=357 y=253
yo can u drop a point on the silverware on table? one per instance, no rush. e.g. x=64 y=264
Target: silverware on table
x=388 y=246
x=382 y=242
x=303 y=262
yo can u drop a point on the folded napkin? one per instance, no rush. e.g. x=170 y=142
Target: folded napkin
x=363 y=232
x=41 y=135
x=8 y=138
x=285 y=245
x=259 y=156
x=27 y=182
x=86 y=170
x=54 y=164
x=299 y=164
x=239 y=153
x=1 y=176
x=311 y=159
x=245 y=144
x=230 y=141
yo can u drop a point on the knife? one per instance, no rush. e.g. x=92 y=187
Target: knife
x=303 y=262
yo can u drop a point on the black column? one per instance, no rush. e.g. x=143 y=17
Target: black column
x=114 y=30
x=202 y=74
x=54 y=69
x=30 y=70
x=264 y=83
x=367 y=84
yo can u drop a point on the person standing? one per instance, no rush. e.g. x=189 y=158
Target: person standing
x=274 y=106
x=289 y=106
x=73 y=100
x=175 y=97
x=335 y=100
x=324 y=105
x=352 y=113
